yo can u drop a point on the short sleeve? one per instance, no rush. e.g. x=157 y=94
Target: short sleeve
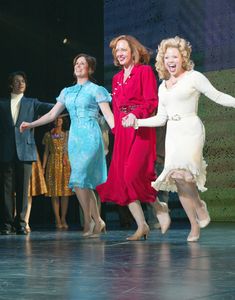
x=102 y=95
x=61 y=98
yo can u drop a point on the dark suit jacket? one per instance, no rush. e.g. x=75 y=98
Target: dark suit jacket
x=10 y=136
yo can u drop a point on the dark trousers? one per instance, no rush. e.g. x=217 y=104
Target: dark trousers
x=15 y=179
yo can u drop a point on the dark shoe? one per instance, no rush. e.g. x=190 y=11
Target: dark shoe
x=21 y=231
x=7 y=232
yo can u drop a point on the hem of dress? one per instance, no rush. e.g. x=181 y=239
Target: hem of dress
x=56 y=195
x=84 y=186
x=164 y=183
x=129 y=201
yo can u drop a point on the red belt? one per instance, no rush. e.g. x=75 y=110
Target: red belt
x=128 y=108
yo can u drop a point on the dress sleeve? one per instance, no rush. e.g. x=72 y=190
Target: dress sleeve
x=203 y=85
x=62 y=96
x=158 y=120
x=102 y=95
x=149 y=92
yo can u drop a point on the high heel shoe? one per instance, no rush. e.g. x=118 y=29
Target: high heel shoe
x=193 y=238
x=101 y=228
x=205 y=222
x=164 y=217
x=58 y=226
x=27 y=229
x=91 y=229
x=64 y=225
x=144 y=232
x=194 y=235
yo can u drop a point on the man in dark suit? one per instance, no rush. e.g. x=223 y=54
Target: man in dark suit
x=17 y=152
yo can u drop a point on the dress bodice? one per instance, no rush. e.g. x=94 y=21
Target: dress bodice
x=82 y=101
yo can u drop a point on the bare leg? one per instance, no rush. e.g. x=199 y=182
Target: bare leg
x=64 y=209
x=138 y=214
x=27 y=216
x=83 y=198
x=90 y=209
x=95 y=213
x=189 y=198
x=56 y=208
x=162 y=213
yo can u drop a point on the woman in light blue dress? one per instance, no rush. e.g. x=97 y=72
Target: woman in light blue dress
x=85 y=145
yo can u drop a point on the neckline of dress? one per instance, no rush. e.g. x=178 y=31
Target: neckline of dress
x=129 y=76
x=83 y=84
x=179 y=80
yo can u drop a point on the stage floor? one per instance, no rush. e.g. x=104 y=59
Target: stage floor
x=50 y=264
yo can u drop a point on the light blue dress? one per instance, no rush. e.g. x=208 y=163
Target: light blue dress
x=85 y=143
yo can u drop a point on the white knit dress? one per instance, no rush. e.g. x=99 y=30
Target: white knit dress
x=185 y=134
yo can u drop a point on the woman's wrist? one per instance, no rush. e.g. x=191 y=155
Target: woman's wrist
x=136 y=125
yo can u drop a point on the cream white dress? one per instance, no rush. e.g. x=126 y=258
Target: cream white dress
x=185 y=134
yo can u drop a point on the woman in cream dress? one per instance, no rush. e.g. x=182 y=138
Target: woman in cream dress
x=185 y=169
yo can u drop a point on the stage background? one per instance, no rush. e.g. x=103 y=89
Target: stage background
x=42 y=37
x=209 y=26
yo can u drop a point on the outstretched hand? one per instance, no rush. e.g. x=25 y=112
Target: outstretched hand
x=129 y=120
x=24 y=126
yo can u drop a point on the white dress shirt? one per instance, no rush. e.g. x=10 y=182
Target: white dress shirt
x=15 y=106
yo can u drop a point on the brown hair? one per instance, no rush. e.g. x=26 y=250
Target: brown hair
x=139 y=52
x=12 y=75
x=91 y=61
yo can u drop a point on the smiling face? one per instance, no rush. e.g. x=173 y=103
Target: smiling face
x=123 y=53
x=173 y=62
x=18 y=85
x=81 y=68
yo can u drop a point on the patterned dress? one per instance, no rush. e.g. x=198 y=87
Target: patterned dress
x=57 y=173
x=37 y=184
x=85 y=144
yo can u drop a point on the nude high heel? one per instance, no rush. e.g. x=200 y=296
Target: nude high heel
x=193 y=238
x=98 y=229
x=144 y=232
x=164 y=217
x=91 y=229
x=205 y=222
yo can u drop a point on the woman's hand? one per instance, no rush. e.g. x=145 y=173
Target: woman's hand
x=24 y=126
x=129 y=120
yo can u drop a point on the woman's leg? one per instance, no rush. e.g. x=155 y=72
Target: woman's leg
x=56 y=208
x=84 y=201
x=27 y=216
x=162 y=213
x=189 y=199
x=138 y=214
x=95 y=213
x=90 y=209
x=64 y=209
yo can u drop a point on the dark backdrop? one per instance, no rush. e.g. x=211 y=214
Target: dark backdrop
x=42 y=38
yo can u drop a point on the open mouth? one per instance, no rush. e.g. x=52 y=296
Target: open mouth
x=172 y=68
x=121 y=59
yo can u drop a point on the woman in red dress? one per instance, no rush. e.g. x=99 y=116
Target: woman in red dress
x=134 y=91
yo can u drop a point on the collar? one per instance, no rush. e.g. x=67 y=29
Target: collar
x=16 y=96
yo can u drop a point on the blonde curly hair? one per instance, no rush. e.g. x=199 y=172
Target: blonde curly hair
x=140 y=54
x=185 y=50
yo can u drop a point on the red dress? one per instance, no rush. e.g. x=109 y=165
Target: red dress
x=132 y=167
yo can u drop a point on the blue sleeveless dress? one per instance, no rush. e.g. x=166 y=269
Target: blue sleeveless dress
x=85 y=143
